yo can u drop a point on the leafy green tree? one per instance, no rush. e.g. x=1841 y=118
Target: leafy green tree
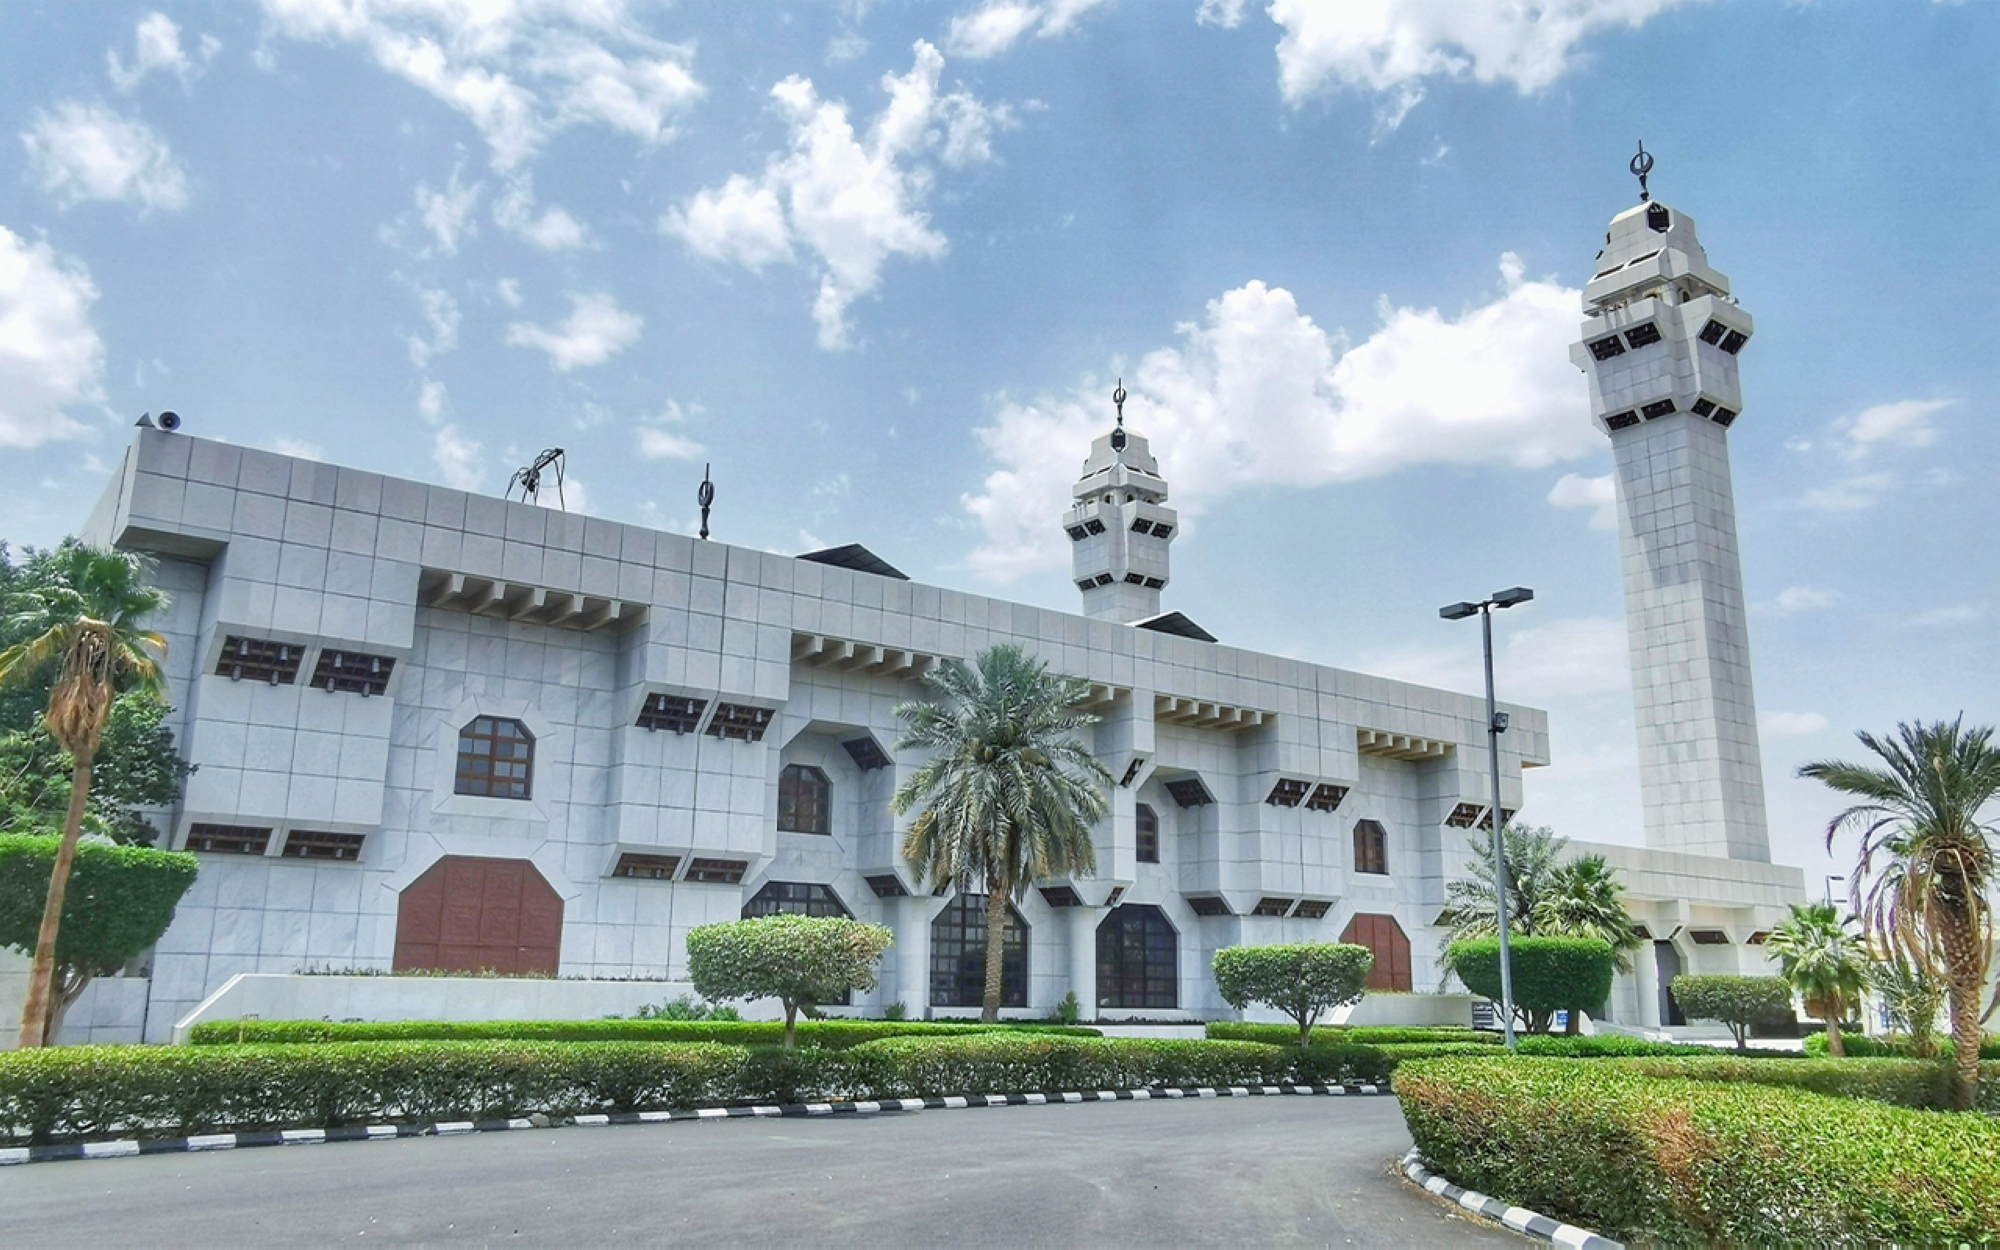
x=137 y=767
x=84 y=624
x=120 y=900
x=1912 y=996
x=1008 y=793
x=1823 y=959
x=1302 y=981
x=1585 y=898
x=802 y=961
x=1739 y=1002
x=1533 y=853
x=1922 y=814
x=1551 y=974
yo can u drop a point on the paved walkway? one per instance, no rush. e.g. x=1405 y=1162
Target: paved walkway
x=1241 y=1171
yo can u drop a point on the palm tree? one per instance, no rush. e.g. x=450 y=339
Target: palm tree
x=83 y=623
x=1532 y=855
x=1584 y=898
x=1825 y=961
x=1008 y=794
x=1912 y=996
x=1920 y=814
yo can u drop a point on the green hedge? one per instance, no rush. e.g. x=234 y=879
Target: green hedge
x=1704 y=1162
x=73 y=1092
x=1364 y=1034
x=825 y=1033
x=1900 y=1082
x=1861 y=1046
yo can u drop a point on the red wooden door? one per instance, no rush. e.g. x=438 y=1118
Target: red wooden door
x=1384 y=936
x=469 y=914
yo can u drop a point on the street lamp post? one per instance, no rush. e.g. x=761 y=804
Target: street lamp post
x=1496 y=724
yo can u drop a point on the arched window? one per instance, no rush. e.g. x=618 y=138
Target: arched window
x=1149 y=835
x=1138 y=959
x=496 y=759
x=805 y=800
x=794 y=898
x=958 y=955
x=1371 y=848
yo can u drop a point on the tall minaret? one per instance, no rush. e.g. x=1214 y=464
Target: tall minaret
x=1120 y=526
x=1660 y=344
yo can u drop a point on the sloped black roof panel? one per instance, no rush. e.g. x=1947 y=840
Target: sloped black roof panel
x=857 y=557
x=1175 y=623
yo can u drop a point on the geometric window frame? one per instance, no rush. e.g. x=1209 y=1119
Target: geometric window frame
x=496 y=759
x=958 y=954
x=1138 y=959
x=805 y=800
x=1371 y=848
x=1148 y=833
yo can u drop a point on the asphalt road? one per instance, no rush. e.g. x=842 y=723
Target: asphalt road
x=1238 y=1170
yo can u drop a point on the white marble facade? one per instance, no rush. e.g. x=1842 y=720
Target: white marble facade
x=576 y=626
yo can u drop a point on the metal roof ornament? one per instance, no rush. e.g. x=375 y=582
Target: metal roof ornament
x=705 y=496
x=1118 y=400
x=1641 y=165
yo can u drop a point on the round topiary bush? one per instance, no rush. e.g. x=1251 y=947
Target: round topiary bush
x=1551 y=974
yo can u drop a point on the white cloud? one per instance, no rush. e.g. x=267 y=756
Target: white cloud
x=1257 y=394
x=1790 y=724
x=1906 y=423
x=1951 y=614
x=997 y=25
x=1805 y=599
x=1227 y=14
x=461 y=460
x=552 y=230
x=447 y=214
x=659 y=443
x=157 y=48
x=1392 y=47
x=50 y=355
x=509 y=291
x=286 y=445
x=845 y=47
x=519 y=70
x=1583 y=655
x=431 y=401
x=88 y=152
x=852 y=201
x=1573 y=490
x=595 y=330
x=441 y=315
x=568 y=495
x=1856 y=492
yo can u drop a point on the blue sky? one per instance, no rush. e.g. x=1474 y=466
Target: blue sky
x=882 y=264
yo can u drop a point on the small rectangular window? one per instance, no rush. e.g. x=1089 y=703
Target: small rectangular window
x=1094 y=526
x=1464 y=815
x=1313 y=909
x=1371 y=848
x=674 y=712
x=887 y=885
x=1606 y=348
x=1271 y=906
x=1149 y=834
x=1154 y=583
x=1708 y=937
x=1622 y=420
x=259 y=660
x=1060 y=896
x=866 y=754
x=1643 y=335
x=646 y=867
x=717 y=871
x=1326 y=797
x=1188 y=792
x=352 y=672
x=1733 y=341
x=1135 y=579
x=1077 y=533
x=1103 y=579
x=1289 y=792
x=1142 y=526
x=1723 y=417
x=1702 y=407
x=739 y=721
x=805 y=800
x=1657 y=409
x=1162 y=531
x=313 y=844
x=228 y=839
x=1207 y=905
x=496 y=759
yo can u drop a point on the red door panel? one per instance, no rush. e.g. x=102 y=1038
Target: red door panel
x=472 y=914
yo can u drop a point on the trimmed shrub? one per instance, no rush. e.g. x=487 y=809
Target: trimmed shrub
x=802 y=961
x=909 y=1067
x=1860 y=1045
x=1365 y=1034
x=1302 y=981
x=1604 y=1046
x=1550 y=974
x=1900 y=1082
x=1701 y=1163
x=823 y=1033
x=1739 y=1002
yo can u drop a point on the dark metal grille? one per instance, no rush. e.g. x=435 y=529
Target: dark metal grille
x=1289 y=792
x=1149 y=834
x=314 y=844
x=496 y=759
x=1708 y=937
x=887 y=885
x=795 y=898
x=1643 y=335
x=1142 y=526
x=676 y=712
x=1713 y=332
x=1622 y=420
x=1271 y=906
x=1102 y=579
x=958 y=955
x=739 y=721
x=1463 y=816
x=1606 y=348
x=646 y=867
x=1371 y=848
x=1658 y=408
x=1313 y=909
x=1188 y=792
x=1208 y=905
x=1132 y=770
x=716 y=871
x=1061 y=896
x=1137 y=959
x=1733 y=341
x=1723 y=417
x=805 y=800
x=1154 y=583
x=1094 y=526
x=352 y=672
x=1135 y=579
x=228 y=839
x=1077 y=533
x=866 y=754
x=1702 y=407
x=1326 y=797
x=1162 y=531
x=259 y=660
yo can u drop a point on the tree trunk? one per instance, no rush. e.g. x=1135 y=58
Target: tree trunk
x=1305 y=1029
x=1964 y=1042
x=1836 y=1047
x=68 y=989
x=41 y=977
x=1575 y=1024
x=996 y=943
x=791 y=1024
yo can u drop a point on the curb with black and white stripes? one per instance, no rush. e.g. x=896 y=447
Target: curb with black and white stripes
x=389 y=1132
x=1520 y=1219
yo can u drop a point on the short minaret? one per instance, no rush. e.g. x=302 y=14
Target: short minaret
x=1660 y=344
x=1120 y=526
